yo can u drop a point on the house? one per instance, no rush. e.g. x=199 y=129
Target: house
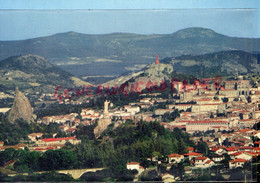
x=16 y=147
x=190 y=149
x=204 y=125
x=132 y=109
x=70 y=130
x=166 y=177
x=203 y=162
x=192 y=155
x=208 y=163
x=257 y=149
x=237 y=163
x=1 y=144
x=58 y=141
x=135 y=166
x=217 y=158
x=218 y=151
x=145 y=100
x=34 y=136
x=9 y=163
x=163 y=111
x=231 y=150
x=246 y=148
x=44 y=149
x=87 y=111
x=176 y=158
x=242 y=155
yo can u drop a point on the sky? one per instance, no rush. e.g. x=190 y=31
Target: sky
x=24 y=19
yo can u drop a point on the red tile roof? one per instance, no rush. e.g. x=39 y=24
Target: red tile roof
x=58 y=139
x=236 y=154
x=193 y=154
x=133 y=163
x=215 y=149
x=174 y=155
x=207 y=162
x=9 y=162
x=190 y=149
x=201 y=158
x=204 y=99
x=232 y=148
x=71 y=130
x=238 y=160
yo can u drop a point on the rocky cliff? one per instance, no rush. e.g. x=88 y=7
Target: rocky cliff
x=21 y=108
x=103 y=122
x=155 y=73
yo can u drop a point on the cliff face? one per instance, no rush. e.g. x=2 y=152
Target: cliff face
x=104 y=122
x=102 y=126
x=21 y=108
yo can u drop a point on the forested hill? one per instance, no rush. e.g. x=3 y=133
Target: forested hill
x=218 y=63
x=84 y=54
x=32 y=71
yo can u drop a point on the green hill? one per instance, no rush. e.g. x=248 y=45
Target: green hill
x=220 y=63
x=32 y=71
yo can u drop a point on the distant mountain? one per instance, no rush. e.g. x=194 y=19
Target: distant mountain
x=213 y=64
x=34 y=72
x=84 y=55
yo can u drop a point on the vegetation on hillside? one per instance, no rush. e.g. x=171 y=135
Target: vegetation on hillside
x=221 y=63
x=128 y=142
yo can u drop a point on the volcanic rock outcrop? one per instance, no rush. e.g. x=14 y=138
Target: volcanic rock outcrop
x=21 y=108
x=103 y=122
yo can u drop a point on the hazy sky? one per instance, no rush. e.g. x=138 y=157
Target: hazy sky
x=23 y=19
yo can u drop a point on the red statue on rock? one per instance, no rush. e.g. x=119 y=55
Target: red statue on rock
x=157 y=61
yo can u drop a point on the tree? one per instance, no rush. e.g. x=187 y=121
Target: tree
x=256 y=126
x=180 y=168
x=86 y=154
x=225 y=99
x=57 y=160
x=236 y=174
x=202 y=147
x=86 y=131
x=181 y=146
x=226 y=160
x=151 y=176
x=226 y=142
x=27 y=161
x=6 y=155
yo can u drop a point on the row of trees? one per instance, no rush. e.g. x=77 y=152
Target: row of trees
x=30 y=161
